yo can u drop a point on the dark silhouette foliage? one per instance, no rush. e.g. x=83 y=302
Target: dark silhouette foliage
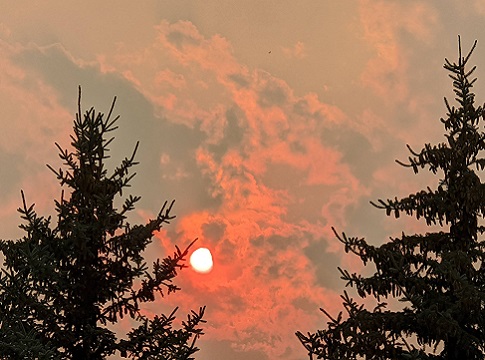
x=62 y=287
x=438 y=276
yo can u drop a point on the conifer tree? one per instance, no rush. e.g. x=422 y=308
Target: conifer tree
x=438 y=276
x=64 y=286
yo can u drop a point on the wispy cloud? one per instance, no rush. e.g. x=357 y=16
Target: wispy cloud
x=297 y=51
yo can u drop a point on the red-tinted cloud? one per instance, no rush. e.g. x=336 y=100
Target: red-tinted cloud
x=263 y=286
x=272 y=170
x=383 y=23
x=31 y=121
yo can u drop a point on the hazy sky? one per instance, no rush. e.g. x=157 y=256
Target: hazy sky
x=267 y=121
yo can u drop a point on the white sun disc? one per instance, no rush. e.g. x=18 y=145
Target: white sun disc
x=201 y=260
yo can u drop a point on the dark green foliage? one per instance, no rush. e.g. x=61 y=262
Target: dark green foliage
x=63 y=287
x=439 y=276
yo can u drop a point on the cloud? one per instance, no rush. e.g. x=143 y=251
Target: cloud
x=259 y=173
x=32 y=120
x=168 y=77
x=383 y=23
x=249 y=123
x=261 y=163
x=297 y=51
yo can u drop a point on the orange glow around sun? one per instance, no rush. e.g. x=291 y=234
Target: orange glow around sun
x=201 y=260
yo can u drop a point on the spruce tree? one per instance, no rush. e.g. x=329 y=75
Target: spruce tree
x=438 y=276
x=64 y=286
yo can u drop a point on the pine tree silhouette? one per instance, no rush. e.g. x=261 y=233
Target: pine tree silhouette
x=438 y=276
x=64 y=286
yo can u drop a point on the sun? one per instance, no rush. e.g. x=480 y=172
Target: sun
x=201 y=260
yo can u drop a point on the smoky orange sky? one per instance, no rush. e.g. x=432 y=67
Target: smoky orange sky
x=267 y=121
